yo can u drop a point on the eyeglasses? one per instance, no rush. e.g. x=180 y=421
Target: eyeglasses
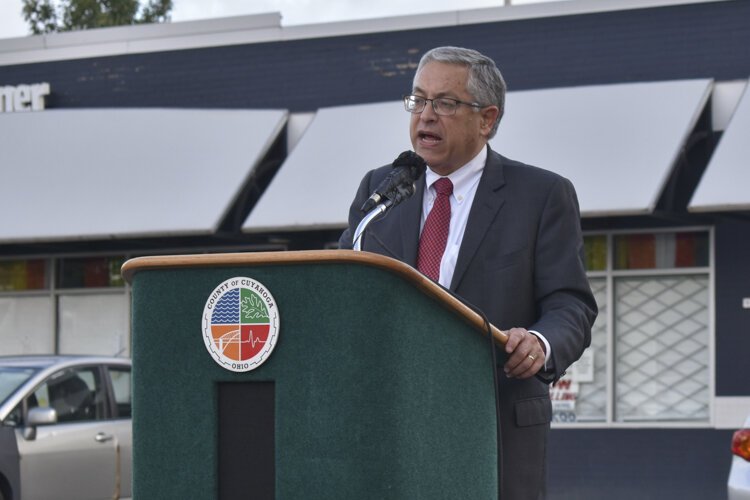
x=444 y=106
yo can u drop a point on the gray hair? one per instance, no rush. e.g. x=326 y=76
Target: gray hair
x=486 y=84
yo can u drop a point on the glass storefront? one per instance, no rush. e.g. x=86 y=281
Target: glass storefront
x=649 y=355
x=84 y=310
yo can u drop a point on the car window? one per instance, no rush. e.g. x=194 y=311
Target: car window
x=76 y=395
x=11 y=378
x=120 y=377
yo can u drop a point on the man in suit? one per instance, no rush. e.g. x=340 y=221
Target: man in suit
x=511 y=245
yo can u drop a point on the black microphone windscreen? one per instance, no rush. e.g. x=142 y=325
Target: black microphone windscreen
x=407 y=168
x=412 y=160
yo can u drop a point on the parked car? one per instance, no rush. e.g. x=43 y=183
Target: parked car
x=65 y=428
x=739 y=475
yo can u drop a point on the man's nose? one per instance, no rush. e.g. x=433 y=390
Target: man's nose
x=428 y=113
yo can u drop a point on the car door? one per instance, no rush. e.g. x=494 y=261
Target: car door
x=121 y=425
x=77 y=457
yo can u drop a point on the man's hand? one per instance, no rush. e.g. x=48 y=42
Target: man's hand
x=525 y=354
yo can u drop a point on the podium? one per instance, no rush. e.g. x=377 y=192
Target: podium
x=379 y=385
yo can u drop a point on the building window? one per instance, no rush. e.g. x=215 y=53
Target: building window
x=661 y=250
x=19 y=275
x=93 y=324
x=90 y=272
x=661 y=348
x=83 y=310
x=26 y=325
x=649 y=358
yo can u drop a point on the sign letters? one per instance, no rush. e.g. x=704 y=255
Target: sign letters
x=23 y=97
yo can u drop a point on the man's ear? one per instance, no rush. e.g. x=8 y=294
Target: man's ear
x=490 y=115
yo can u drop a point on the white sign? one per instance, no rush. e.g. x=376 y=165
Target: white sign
x=23 y=97
x=583 y=369
x=564 y=393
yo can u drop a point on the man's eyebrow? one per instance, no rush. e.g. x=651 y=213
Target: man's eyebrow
x=436 y=96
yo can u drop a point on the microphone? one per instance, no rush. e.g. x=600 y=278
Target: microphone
x=399 y=183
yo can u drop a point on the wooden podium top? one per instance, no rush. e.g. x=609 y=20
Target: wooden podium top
x=426 y=285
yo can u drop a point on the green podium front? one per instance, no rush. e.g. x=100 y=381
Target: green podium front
x=379 y=384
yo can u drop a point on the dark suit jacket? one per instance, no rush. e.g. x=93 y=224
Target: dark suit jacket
x=521 y=263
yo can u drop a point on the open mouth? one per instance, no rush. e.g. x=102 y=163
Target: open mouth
x=429 y=138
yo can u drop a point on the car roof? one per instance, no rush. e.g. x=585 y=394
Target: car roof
x=46 y=365
x=45 y=361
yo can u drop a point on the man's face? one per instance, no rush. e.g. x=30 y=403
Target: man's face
x=448 y=142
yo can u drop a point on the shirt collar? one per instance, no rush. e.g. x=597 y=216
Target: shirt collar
x=464 y=178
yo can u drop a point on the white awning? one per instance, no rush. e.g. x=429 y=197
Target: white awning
x=725 y=185
x=82 y=174
x=617 y=143
x=316 y=184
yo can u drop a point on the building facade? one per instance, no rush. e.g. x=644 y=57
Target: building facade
x=236 y=120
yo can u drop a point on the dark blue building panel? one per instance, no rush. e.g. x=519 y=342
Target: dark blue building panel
x=708 y=40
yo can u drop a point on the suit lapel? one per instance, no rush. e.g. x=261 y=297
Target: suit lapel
x=488 y=200
x=410 y=221
x=396 y=234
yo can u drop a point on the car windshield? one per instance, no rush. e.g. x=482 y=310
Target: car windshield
x=13 y=377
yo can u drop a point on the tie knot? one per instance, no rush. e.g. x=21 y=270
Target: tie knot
x=443 y=186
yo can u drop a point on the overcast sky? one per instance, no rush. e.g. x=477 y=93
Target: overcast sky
x=292 y=11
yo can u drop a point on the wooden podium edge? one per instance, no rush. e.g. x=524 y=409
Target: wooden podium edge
x=132 y=266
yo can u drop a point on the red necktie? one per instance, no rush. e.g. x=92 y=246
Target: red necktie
x=435 y=231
